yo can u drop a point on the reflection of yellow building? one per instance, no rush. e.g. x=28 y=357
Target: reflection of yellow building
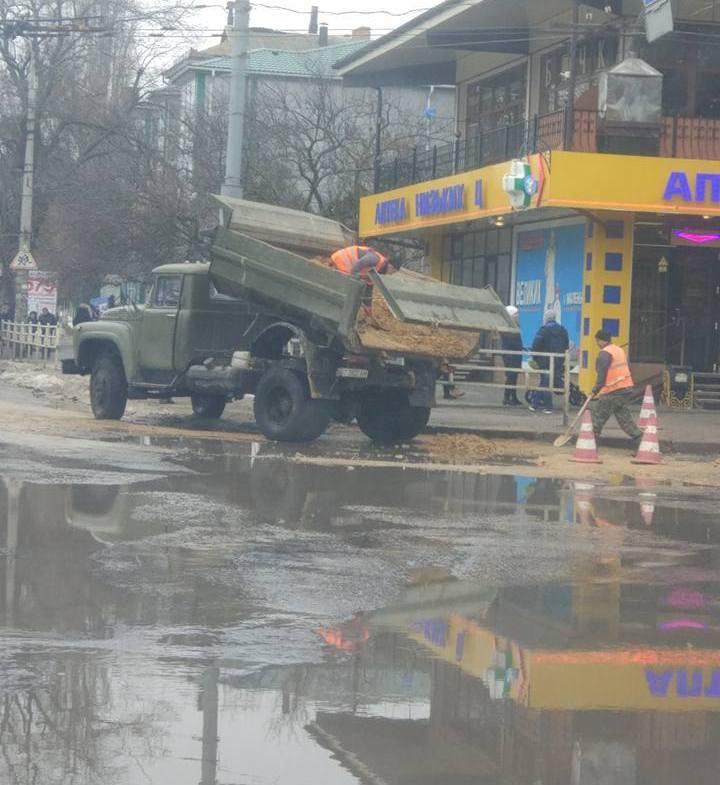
x=629 y=679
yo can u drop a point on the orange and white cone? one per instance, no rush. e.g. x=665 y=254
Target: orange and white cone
x=647 y=507
x=649 y=451
x=648 y=409
x=586 y=448
x=583 y=502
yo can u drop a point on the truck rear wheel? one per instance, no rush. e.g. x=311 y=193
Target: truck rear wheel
x=108 y=388
x=388 y=418
x=284 y=410
x=210 y=407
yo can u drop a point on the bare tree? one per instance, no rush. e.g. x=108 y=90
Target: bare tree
x=97 y=196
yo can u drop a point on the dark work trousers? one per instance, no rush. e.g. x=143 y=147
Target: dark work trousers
x=616 y=403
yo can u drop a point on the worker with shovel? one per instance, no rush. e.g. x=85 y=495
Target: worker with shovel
x=612 y=389
x=360 y=259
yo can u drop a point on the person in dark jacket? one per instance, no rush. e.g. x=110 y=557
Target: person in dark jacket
x=512 y=342
x=47 y=319
x=551 y=337
x=83 y=313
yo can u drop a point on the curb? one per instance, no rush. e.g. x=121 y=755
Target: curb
x=548 y=437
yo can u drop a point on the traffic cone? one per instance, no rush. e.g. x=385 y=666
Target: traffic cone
x=586 y=448
x=583 y=501
x=647 y=507
x=648 y=409
x=649 y=451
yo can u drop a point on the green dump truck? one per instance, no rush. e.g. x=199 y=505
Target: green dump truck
x=262 y=320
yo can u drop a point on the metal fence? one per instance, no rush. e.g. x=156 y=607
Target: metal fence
x=21 y=340
x=678 y=137
x=531 y=377
x=542 y=132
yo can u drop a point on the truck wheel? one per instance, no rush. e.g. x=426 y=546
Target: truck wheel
x=284 y=410
x=209 y=406
x=108 y=388
x=387 y=418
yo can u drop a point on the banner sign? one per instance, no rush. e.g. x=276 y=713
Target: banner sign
x=549 y=278
x=42 y=291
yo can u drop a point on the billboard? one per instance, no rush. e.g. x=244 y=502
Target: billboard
x=42 y=291
x=549 y=276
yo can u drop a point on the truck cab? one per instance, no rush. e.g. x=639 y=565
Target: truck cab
x=185 y=320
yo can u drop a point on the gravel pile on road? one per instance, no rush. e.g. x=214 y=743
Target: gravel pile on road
x=460 y=448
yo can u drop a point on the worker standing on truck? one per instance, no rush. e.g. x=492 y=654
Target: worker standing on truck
x=359 y=260
x=612 y=389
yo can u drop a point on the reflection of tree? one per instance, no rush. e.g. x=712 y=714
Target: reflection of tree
x=292 y=712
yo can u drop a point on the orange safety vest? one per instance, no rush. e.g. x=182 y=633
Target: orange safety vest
x=345 y=258
x=618 y=375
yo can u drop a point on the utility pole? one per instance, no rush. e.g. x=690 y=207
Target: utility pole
x=24 y=260
x=378 y=141
x=572 y=81
x=240 y=33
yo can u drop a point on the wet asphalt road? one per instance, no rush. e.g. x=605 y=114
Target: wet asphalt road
x=225 y=613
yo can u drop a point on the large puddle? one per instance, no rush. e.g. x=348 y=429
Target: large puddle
x=253 y=620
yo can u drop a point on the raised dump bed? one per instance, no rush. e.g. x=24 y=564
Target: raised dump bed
x=410 y=315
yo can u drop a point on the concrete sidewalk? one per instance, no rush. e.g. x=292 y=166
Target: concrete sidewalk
x=687 y=431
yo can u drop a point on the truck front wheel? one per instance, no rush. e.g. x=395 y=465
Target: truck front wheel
x=284 y=410
x=388 y=418
x=210 y=407
x=108 y=388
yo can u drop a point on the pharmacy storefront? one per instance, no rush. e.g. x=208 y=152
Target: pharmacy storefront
x=629 y=244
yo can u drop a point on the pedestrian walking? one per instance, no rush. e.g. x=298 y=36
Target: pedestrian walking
x=552 y=338
x=612 y=389
x=512 y=342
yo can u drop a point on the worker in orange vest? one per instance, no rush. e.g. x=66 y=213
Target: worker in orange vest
x=612 y=389
x=359 y=260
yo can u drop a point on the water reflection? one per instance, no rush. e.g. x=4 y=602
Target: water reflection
x=137 y=646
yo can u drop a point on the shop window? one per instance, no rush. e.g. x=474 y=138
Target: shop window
x=594 y=55
x=690 y=75
x=649 y=311
x=496 y=101
x=476 y=259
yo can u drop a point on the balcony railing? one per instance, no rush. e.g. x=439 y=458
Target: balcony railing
x=680 y=137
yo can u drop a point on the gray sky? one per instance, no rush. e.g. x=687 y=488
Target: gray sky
x=214 y=18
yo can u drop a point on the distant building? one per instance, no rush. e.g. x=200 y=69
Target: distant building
x=197 y=91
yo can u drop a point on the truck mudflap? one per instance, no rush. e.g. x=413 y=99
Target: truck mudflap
x=422 y=300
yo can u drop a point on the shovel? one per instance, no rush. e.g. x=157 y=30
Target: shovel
x=561 y=441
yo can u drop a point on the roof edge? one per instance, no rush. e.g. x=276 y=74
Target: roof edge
x=455 y=6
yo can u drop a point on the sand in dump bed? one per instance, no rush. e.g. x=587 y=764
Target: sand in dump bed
x=381 y=330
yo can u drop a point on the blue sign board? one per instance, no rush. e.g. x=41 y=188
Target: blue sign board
x=704 y=188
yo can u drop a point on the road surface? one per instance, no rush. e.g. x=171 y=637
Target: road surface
x=178 y=610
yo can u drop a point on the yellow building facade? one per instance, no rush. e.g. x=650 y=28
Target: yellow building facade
x=587 y=219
